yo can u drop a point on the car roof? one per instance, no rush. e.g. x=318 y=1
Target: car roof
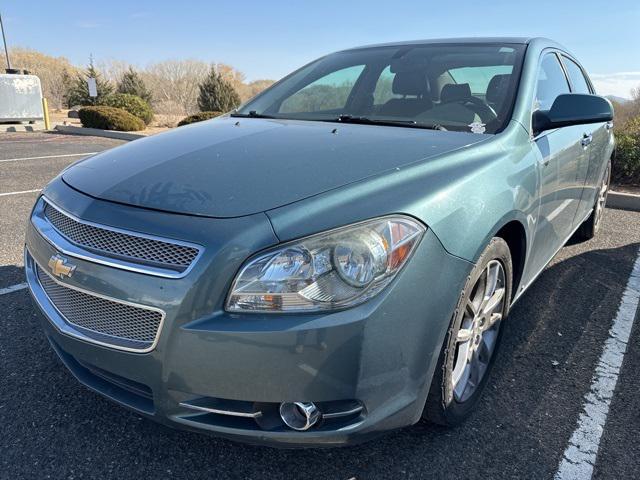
x=461 y=40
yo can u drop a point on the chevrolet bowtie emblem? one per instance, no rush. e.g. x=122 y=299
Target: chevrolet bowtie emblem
x=60 y=267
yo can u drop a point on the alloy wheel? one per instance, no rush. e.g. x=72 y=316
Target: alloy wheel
x=478 y=333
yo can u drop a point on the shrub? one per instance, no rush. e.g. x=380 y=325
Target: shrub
x=198 y=117
x=132 y=83
x=109 y=118
x=132 y=104
x=216 y=94
x=626 y=164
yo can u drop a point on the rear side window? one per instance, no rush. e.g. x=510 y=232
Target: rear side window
x=551 y=82
x=579 y=84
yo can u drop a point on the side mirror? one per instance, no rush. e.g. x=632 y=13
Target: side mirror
x=573 y=109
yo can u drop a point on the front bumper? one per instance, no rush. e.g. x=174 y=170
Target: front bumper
x=381 y=353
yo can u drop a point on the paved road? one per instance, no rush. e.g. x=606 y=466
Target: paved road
x=54 y=428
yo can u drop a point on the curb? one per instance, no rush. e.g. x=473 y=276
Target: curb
x=31 y=127
x=96 y=132
x=623 y=201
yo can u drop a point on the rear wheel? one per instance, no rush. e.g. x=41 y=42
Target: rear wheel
x=473 y=338
x=591 y=225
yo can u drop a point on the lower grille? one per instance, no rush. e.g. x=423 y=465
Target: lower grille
x=102 y=320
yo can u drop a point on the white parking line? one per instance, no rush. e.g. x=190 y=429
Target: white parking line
x=580 y=456
x=19 y=193
x=13 y=288
x=47 y=156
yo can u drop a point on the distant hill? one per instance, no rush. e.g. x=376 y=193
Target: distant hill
x=619 y=100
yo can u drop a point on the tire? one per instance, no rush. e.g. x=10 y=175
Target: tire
x=591 y=225
x=449 y=401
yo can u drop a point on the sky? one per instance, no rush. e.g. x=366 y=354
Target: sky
x=266 y=39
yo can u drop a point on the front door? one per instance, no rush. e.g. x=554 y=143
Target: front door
x=560 y=156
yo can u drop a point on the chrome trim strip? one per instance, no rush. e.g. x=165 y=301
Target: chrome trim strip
x=346 y=413
x=65 y=246
x=66 y=327
x=221 y=412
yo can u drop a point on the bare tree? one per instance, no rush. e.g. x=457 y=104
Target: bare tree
x=251 y=89
x=174 y=85
x=624 y=112
x=112 y=69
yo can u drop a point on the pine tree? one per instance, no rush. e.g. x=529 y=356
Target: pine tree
x=216 y=94
x=78 y=92
x=132 y=83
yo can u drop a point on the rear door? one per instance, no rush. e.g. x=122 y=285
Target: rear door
x=595 y=139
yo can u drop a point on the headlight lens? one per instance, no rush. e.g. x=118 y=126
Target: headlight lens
x=336 y=269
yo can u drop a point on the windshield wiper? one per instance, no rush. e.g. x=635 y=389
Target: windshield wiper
x=251 y=114
x=385 y=122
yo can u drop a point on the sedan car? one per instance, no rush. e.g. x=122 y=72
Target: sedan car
x=334 y=259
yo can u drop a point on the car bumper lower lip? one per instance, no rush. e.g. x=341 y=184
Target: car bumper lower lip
x=253 y=362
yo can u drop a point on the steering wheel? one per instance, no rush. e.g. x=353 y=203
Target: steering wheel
x=482 y=108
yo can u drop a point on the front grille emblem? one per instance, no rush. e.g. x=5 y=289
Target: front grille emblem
x=60 y=267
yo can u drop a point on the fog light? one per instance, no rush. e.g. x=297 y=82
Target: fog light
x=299 y=415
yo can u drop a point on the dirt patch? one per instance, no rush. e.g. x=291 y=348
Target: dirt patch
x=634 y=189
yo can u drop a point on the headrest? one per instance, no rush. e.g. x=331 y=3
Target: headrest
x=411 y=83
x=497 y=88
x=452 y=92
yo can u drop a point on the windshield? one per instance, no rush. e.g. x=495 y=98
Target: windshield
x=463 y=87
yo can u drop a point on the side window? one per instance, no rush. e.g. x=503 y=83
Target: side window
x=551 y=82
x=384 y=87
x=578 y=82
x=326 y=93
x=479 y=78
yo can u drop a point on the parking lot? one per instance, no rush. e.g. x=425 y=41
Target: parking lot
x=52 y=427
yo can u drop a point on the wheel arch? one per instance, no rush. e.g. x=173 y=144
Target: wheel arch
x=514 y=234
x=512 y=229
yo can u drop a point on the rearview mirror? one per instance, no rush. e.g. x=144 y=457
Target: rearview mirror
x=573 y=109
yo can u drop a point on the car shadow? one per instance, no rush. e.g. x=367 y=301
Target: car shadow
x=552 y=339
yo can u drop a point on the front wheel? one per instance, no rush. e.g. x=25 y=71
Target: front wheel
x=473 y=338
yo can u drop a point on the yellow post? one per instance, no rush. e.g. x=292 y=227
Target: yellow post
x=45 y=109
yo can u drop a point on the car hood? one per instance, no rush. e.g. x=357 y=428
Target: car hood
x=230 y=167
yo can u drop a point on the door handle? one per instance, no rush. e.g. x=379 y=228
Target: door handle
x=587 y=138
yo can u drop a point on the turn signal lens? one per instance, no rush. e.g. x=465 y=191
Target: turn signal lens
x=335 y=269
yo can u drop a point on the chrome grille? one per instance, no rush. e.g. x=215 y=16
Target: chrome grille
x=111 y=243
x=105 y=321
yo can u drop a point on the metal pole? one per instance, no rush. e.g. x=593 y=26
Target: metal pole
x=4 y=40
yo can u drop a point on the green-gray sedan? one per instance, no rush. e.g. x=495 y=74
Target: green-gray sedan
x=335 y=258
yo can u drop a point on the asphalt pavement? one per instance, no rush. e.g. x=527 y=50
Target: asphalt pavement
x=52 y=427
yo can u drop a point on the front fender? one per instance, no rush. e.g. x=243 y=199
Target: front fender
x=464 y=197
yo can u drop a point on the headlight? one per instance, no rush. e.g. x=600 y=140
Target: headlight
x=335 y=269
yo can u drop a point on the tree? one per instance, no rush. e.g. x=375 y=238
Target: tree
x=174 y=85
x=78 y=92
x=251 y=89
x=216 y=94
x=133 y=84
